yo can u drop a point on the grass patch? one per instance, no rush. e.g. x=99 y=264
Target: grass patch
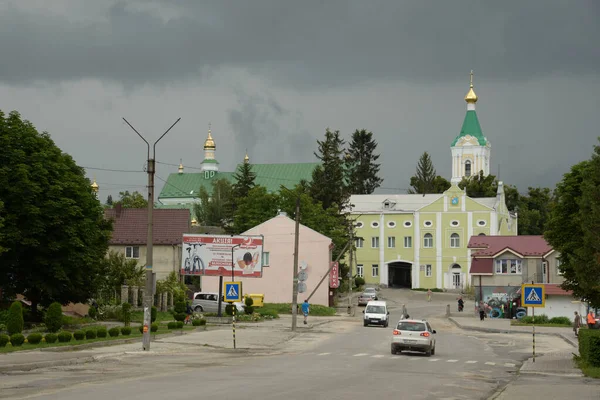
x=586 y=369
x=517 y=323
x=286 y=308
x=161 y=316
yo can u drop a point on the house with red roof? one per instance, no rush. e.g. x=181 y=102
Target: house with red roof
x=501 y=264
x=130 y=232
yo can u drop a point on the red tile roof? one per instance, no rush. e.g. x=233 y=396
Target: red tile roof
x=482 y=266
x=554 y=289
x=525 y=246
x=130 y=226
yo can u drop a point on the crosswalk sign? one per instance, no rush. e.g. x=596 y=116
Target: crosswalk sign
x=233 y=291
x=533 y=295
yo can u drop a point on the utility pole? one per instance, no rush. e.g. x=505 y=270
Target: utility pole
x=351 y=260
x=149 y=292
x=295 y=286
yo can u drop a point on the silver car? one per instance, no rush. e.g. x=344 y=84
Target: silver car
x=208 y=302
x=413 y=335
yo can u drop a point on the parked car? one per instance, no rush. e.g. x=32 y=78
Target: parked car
x=364 y=298
x=209 y=302
x=413 y=335
x=376 y=313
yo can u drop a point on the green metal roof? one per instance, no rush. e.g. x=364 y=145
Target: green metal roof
x=271 y=176
x=471 y=127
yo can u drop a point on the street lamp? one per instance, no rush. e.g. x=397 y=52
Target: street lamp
x=233 y=261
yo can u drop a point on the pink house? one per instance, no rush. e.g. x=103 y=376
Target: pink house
x=276 y=284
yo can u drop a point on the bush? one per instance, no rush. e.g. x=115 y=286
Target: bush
x=2 y=327
x=199 y=322
x=249 y=302
x=65 y=337
x=560 y=321
x=92 y=312
x=266 y=313
x=153 y=314
x=589 y=346
x=154 y=327
x=179 y=309
x=172 y=325
x=4 y=339
x=539 y=320
x=54 y=317
x=34 y=338
x=79 y=335
x=90 y=334
x=359 y=281
x=51 y=338
x=126 y=331
x=229 y=309
x=179 y=324
x=14 y=322
x=114 y=332
x=17 y=339
x=101 y=332
x=126 y=314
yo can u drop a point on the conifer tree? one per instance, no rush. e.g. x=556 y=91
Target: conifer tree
x=360 y=164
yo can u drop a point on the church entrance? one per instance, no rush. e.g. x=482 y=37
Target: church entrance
x=400 y=274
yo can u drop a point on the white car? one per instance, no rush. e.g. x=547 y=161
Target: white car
x=376 y=313
x=413 y=335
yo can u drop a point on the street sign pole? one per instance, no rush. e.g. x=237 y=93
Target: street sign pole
x=533 y=295
x=233 y=308
x=533 y=327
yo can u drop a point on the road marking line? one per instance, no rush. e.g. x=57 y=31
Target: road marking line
x=323 y=354
x=490 y=363
x=415 y=359
x=360 y=355
x=509 y=364
x=451 y=360
x=378 y=356
x=470 y=362
x=434 y=359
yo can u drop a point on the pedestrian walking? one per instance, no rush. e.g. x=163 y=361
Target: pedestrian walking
x=576 y=324
x=481 y=311
x=305 y=310
x=428 y=294
x=591 y=319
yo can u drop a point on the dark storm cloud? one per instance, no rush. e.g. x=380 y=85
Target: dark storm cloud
x=307 y=42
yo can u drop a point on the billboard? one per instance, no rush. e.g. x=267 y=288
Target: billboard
x=210 y=255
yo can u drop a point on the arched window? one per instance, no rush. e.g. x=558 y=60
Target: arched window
x=454 y=240
x=467 y=168
x=428 y=240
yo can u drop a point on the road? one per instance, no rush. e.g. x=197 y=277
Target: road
x=336 y=361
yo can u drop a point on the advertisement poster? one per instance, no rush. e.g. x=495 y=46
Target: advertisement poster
x=210 y=255
x=501 y=301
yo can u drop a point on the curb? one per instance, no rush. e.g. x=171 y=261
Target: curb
x=45 y=364
x=509 y=331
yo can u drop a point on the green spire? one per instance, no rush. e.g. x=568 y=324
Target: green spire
x=471 y=127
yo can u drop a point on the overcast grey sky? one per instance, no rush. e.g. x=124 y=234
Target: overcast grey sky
x=271 y=75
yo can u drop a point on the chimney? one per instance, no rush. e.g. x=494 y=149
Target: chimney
x=118 y=208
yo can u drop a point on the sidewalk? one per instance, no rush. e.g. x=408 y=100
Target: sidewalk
x=250 y=337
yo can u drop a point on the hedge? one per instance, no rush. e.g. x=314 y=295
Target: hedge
x=90 y=334
x=102 y=332
x=114 y=331
x=589 y=346
x=51 y=337
x=34 y=338
x=65 y=337
x=17 y=339
x=126 y=331
x=54 y=317
x=14 y=321
x=4 y=339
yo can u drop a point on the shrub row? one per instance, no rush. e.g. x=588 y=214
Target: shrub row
x=543 y=319
x=175 y=325
x=17 y=339
x=589 y=346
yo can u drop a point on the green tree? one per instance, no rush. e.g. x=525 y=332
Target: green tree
x=254 y=209
x=54 y=317
x=15 y=322
x=481 y=185
x=360 y=164
x=215 y=209
x=116 y=270
x=328 y=184
x=2 y=249
x=567 y=231
x=54 y=226
x=109 y=200
x=424 y=181
x=244 y=180
x=131 y=200
x=534 y=211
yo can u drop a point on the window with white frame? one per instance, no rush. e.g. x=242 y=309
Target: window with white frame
x=359 y=243
x=558 y=271
x=132 y=252
x=265 y=259
x=468 y=168
x=360 y=270
x=454 y=240
x=359 y=224
x=375 y=270
x=407 y=242
x=407 y=224
x=391 y=242
x=428 y=270
x=508 y=267
x=391 y=224
x=428 y=241
x=375 y=242
x=374 y=224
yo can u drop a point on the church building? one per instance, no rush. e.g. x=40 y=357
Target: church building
x=420 y=241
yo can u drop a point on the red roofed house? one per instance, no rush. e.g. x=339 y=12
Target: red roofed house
x=130 y=231
x=500 y=264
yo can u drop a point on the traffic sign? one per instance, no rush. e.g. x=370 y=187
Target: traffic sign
x=302 y=276
x=301 y=287
x=533 y=295
x=233 y=291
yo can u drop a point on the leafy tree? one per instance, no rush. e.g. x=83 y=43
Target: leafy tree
x=215 y=209
x=54 y=227
x=2 y=249
x=360 y=164
x=328 y=185
x=440 y=184
x=254 y=209
x=568 y=230
x=54 y=317
x=424 y=181
x=487 y=186
x=116 y=270
x=244 y=180
x=14 y=321
x=109 y=200
x=534 y=211
x=131 y=200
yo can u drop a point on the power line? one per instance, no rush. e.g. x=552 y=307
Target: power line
x=112 y=170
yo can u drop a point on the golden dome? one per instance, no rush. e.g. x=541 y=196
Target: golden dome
x=246 y=158
x=95 y=186
x=209 y=143
x=180 y=169
x=194 y=222
x=471 y=97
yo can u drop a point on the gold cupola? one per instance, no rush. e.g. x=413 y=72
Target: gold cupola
x=95 y=186
x=180 y=169
x=471 y=97
x=246 y=158
x=209 y=143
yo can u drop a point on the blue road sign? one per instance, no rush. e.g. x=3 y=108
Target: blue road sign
x=533 y=295
x=233 y=291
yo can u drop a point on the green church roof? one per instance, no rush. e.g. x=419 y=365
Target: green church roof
x=271 y=176
x=471 y=127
